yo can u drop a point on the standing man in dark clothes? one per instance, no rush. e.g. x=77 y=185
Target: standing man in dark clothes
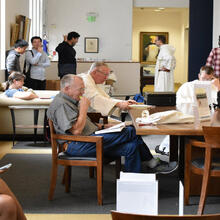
x=67 y=54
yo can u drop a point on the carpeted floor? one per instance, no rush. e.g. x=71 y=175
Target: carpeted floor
x=29 y=179
x=31 y=145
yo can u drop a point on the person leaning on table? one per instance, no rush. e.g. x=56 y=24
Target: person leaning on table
x=14 y=87
x=100 y=100
x=68 y=111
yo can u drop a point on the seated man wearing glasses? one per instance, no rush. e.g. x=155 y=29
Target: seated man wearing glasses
x=185 y=99
x=68 y=111
x=100 y=100
x=185 y=94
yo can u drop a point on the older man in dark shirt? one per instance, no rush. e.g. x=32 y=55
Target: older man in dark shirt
x=68 y=111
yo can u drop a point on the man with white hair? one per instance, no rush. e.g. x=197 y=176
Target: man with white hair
x=68 y=111
x=100 y=100
x=185 y=99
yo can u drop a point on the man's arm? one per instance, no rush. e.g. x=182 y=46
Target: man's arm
x=33 y=60
x=47 y=61
x=25 y=95
x=79 y=125
x=209 y=61
x=10 y=62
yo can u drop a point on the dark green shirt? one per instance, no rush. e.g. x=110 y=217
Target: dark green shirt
x=64 y=111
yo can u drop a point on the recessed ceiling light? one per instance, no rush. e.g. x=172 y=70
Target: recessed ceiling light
x=161 y=8
x=157 y=10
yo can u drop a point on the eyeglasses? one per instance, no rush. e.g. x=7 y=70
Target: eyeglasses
x=81 y=89
x=105 y=74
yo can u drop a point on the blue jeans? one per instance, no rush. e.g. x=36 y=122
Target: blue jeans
x=125 y=143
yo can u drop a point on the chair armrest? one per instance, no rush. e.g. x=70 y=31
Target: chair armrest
x=92 y=139
x=196 y=143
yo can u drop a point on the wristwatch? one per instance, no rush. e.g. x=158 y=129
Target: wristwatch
x=103 y=126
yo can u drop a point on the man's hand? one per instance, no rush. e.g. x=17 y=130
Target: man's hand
x=124 y=105
x=132 y=102
x=40 y=49
x=84 y=103
x=65 y=37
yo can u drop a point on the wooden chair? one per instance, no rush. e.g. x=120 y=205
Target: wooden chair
x=126 y=216
x=206 y=166
x=61 y=158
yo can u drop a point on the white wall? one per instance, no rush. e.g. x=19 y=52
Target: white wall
x=216 y=22
x=113 y=26
x=172 y=21
x=13 y=8
x=162 y=3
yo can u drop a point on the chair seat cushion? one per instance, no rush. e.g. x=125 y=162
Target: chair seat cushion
x=65 y=156
x=199 y=163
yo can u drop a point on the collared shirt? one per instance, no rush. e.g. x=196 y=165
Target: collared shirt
x=12 y=61
x=213 y=60
x=64 y=112
x=10 y=92
x=42 y=61
x=100 y=100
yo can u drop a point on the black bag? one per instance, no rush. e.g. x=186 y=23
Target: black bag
x=28 y=72
x=160 y=98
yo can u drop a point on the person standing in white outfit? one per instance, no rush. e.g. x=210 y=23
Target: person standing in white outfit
x=165 y=65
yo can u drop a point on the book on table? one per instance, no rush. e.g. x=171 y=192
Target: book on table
x=115 y=128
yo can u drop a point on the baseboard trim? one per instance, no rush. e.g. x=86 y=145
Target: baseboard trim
x=21 y=137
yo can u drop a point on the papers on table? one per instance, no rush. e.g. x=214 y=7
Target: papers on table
x=166 y=117
x=115 y=128
x=137 y=193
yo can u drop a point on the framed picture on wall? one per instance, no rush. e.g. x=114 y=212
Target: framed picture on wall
x=91 y=45
x=148 y=50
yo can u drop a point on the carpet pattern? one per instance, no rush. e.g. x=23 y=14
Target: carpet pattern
x=29 y=179
x=31 y=145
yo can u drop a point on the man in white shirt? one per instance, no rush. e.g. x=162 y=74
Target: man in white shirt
x=165 y=65
x=37 y=60
x=100 y=100
x=185 y=99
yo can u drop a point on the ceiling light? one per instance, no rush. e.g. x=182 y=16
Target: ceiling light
x=161 y=8
x=157 y=10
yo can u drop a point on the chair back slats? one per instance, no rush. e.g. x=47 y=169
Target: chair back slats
x=212 y=136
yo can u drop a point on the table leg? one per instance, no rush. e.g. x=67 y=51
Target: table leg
x=181 y=157
x=45 y=125
x=36 y=113
x=13 y=124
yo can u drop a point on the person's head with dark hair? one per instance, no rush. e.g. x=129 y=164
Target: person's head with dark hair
x=36 y=42
x=206 y=73
x=16 y=79
x=20 y=46
x=36 y=38
x=160 y=40
x=72 y=38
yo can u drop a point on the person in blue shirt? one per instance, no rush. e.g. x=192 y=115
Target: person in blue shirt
x=14 y=87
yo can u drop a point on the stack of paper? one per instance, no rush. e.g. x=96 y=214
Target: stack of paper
x=115 y=128
x=137 y=193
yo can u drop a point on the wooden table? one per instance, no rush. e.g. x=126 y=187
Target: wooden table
x=181 y=131
x=190 y=129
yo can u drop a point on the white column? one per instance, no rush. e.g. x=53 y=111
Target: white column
x=2 y=36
